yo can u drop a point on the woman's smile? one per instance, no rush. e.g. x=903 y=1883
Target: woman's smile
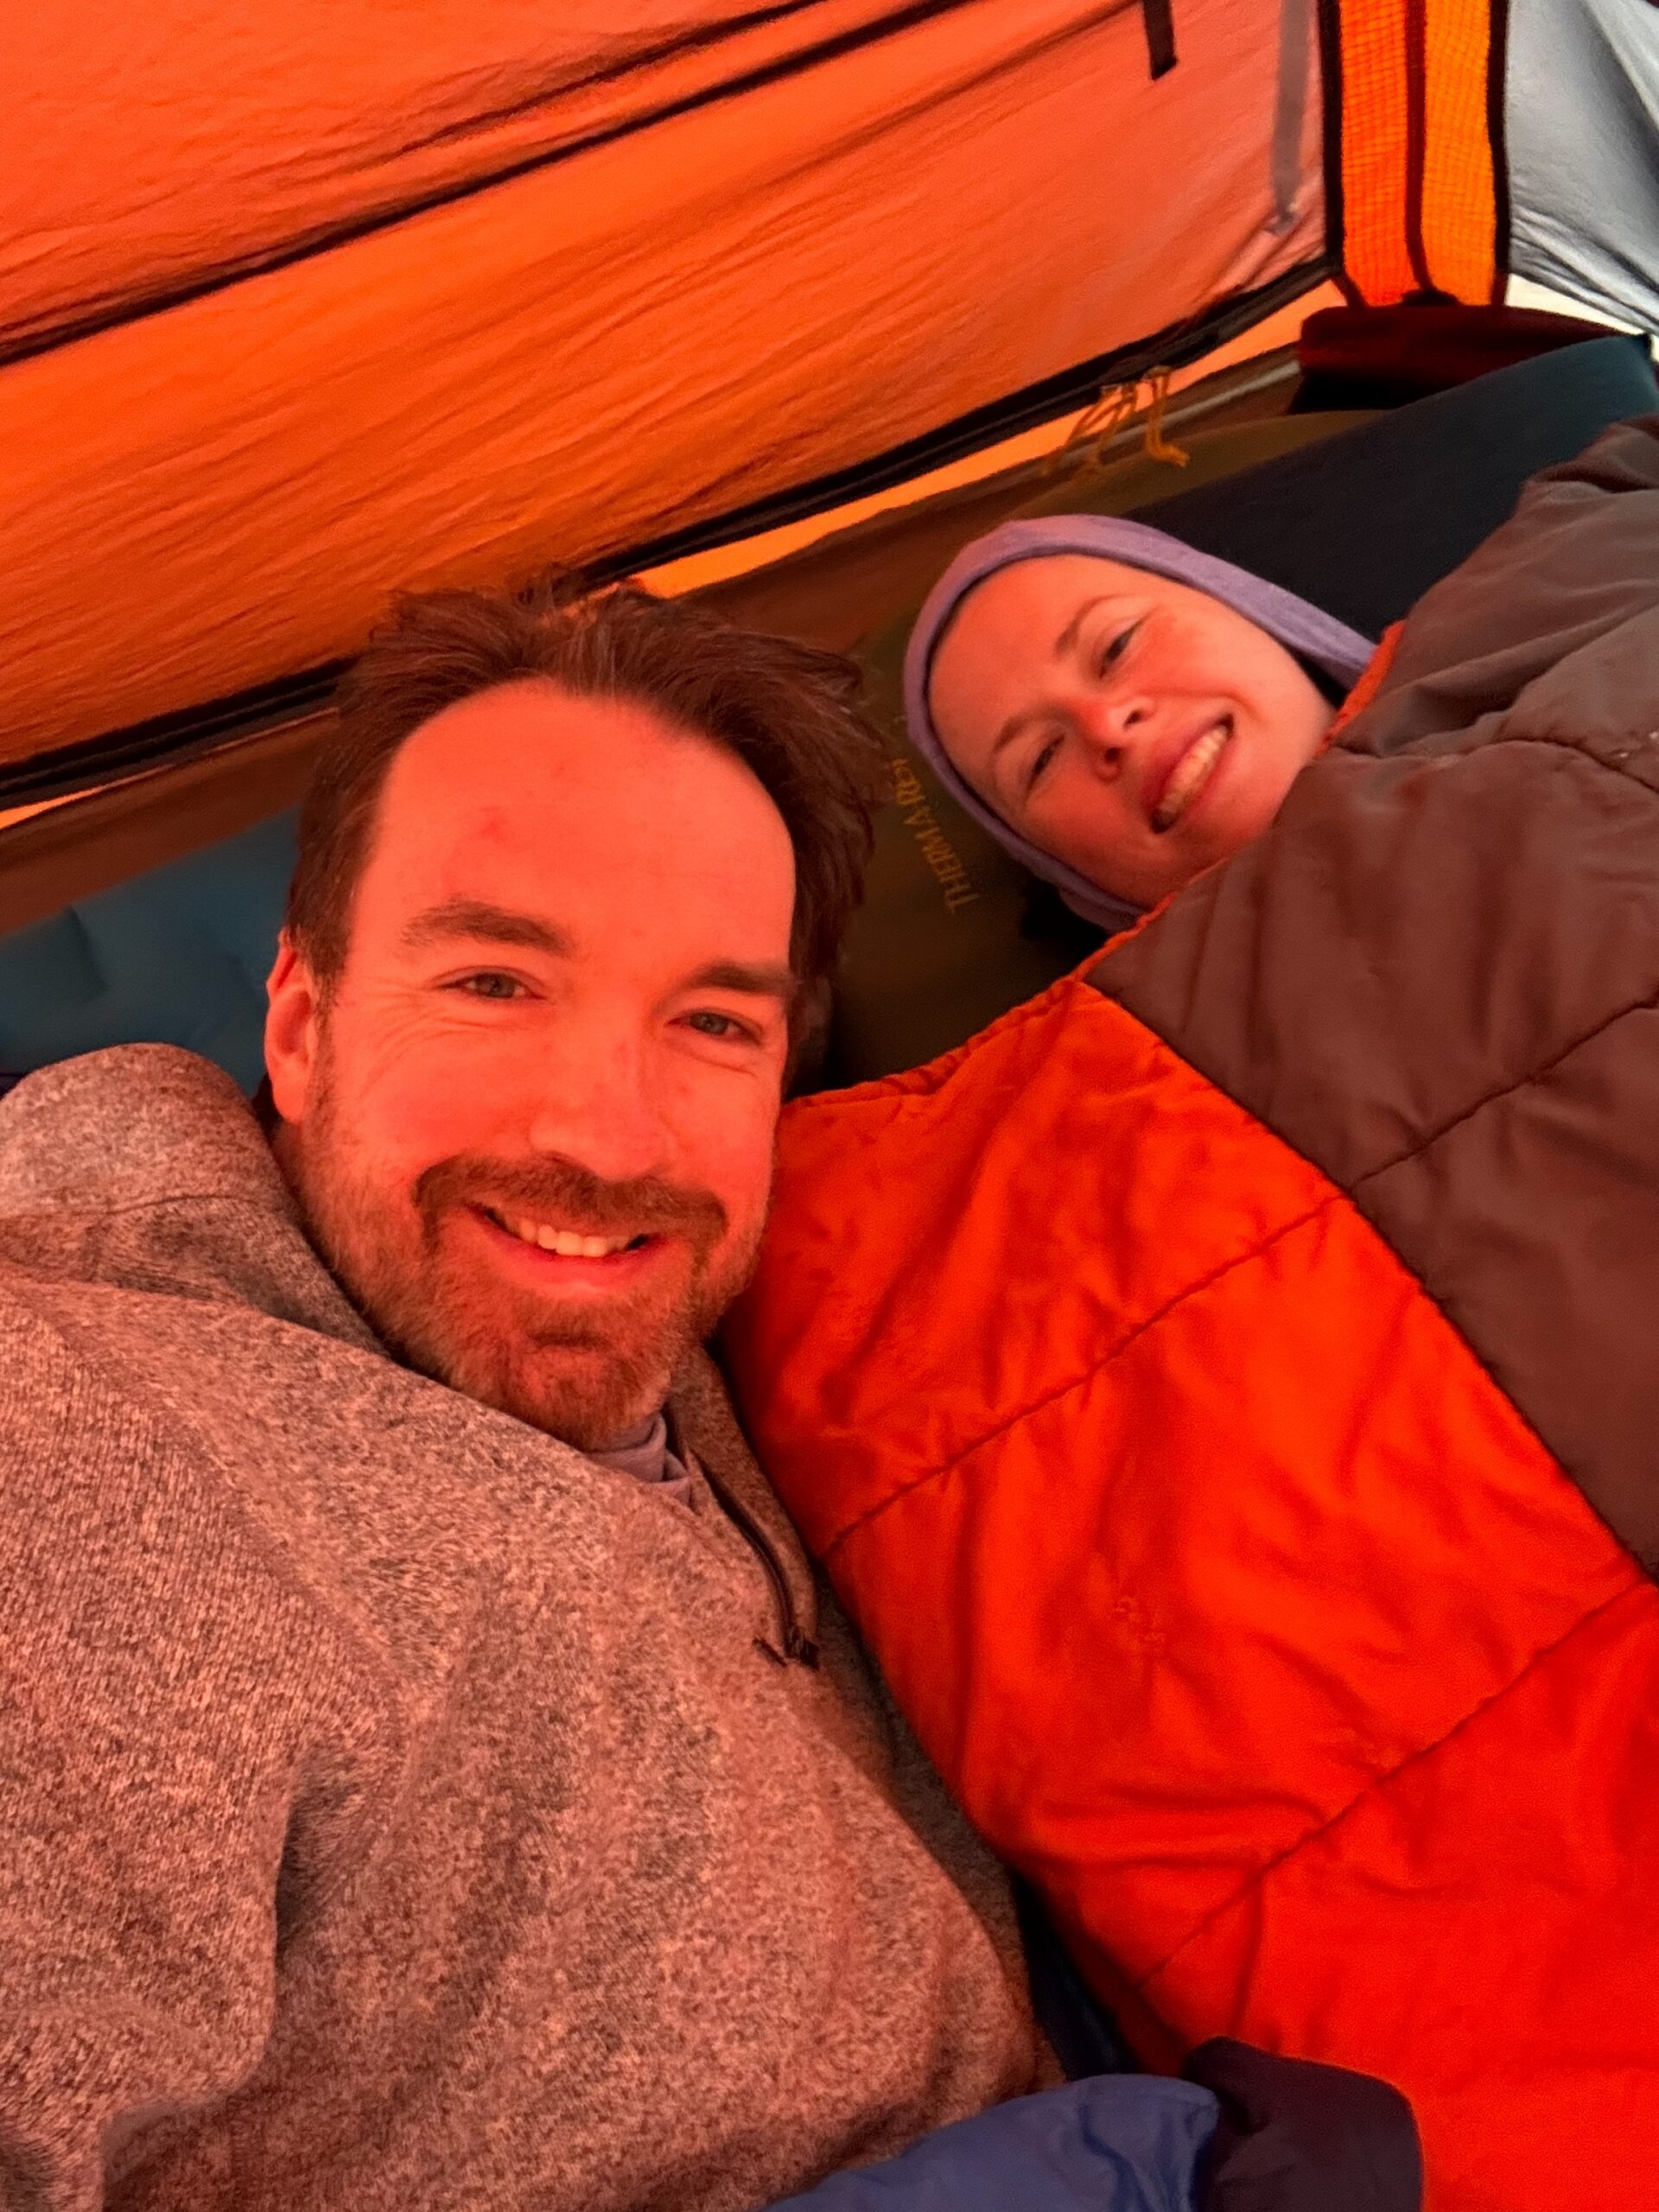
x=1164 y=727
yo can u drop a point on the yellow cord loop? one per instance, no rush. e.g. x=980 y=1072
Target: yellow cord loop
x=1158 y=446
x=1097 y=426
x=1115 y=407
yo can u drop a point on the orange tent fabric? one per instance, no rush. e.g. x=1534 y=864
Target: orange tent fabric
x=299 y=305
x=378 y=304
x=1417 y=119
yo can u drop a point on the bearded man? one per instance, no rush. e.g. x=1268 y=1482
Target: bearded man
x=427 y=1774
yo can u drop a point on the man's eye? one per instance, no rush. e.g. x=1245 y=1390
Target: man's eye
x=1114 y=648
x=725 y=1028
x=487 y=984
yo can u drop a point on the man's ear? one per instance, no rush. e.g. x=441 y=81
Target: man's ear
x=292 y=1026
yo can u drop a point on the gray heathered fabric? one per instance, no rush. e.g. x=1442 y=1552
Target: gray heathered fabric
x=1300 y=626
x=398 y=1809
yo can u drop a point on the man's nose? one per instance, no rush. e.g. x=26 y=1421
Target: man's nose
x=595 y=1103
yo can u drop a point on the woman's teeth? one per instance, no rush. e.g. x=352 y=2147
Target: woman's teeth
x=565 y=1241
x=1191 y=774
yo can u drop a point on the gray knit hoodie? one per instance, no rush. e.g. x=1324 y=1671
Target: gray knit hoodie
x=399 y=1810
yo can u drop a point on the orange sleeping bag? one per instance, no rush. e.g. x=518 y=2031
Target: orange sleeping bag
x=1224 y=1395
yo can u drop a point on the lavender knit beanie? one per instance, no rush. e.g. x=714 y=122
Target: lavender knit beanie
x=1303 y=629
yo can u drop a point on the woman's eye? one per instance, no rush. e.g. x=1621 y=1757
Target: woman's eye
x=1114 y=647
x=1039 y=764
x=487 y=984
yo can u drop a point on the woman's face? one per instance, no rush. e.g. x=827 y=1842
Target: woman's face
x=1131 y=725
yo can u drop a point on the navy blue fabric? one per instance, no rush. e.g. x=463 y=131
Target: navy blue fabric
x=1125 y=2143
x=1299 y=2137
x=1362 y=524
x=1080 y=2032
x=178 y=955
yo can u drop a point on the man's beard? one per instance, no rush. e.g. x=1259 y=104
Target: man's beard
x=586 y=1370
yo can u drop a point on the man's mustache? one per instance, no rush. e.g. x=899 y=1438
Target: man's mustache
x=562 y=1191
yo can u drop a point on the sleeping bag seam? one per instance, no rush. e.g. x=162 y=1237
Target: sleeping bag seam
x=907 y=1083
x=1340 y=1191
x=1466 y=1114
x=1096 y=1367
x=1648 y=1565
x=1419 y=1149
x=1546 y=1652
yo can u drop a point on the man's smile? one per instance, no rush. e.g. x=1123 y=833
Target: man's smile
x=570 y=1243
x=557 y=1256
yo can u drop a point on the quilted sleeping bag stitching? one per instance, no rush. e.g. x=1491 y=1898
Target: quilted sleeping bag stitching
x=1075 y=1597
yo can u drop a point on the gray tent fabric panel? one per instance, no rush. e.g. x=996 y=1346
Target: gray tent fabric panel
x=1582 y=127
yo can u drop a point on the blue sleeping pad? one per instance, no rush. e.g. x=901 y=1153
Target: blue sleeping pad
x=1121 y=2143
x=178 y=955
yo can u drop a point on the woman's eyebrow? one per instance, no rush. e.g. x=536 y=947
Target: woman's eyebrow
x=1067 y=640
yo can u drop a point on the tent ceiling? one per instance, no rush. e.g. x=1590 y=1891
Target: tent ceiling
x=849 y=224
x=224 y=139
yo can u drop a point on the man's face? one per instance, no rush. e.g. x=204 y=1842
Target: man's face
x=531 y=1123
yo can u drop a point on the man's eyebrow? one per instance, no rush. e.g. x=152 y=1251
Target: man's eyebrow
x=480 y=919
x=760 y=979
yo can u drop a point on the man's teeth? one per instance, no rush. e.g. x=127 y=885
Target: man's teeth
x=565 y=1241
x=1191 y=775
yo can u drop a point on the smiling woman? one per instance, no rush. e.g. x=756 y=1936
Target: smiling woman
x=1118 y=710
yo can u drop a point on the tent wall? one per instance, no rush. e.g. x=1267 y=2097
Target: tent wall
x=907 y=214
x=1583 y=134
x=1415 y=169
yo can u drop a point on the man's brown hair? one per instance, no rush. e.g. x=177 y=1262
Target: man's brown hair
x=789 y=712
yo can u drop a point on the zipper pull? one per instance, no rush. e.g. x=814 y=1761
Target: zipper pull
x=798 y=1649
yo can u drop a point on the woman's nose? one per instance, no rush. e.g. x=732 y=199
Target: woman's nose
x=1111 y=727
